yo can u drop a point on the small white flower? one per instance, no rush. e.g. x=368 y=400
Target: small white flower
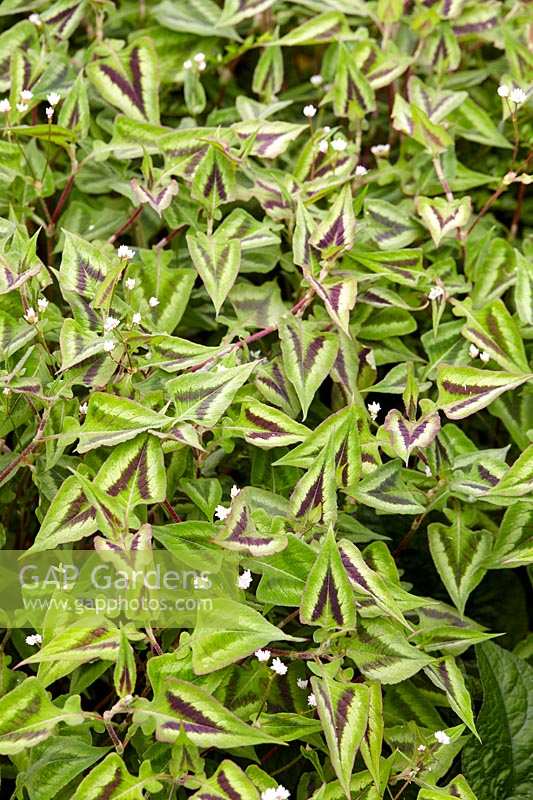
x=5 y=106
x=31 y=316
x=200 y=582
x=187 y=64
x=83 y=409
x=309 y=111
x=26 y=94
x=244 y=581
x=508 y=178
x=110 y=323
x=35 y=20
x=380 y=150
x=323 y=145
x=22 y=107
x=221 y=512
x=311 y=700
x=234 y=492
x=442 y=737
x=49 y=112
x=421 y=748
x=282 y=793
x=53 y=98
x=503 y=90
x=153 y=302
x=263 y=655
x=202 y=65
x=34 y=638
x=199 y=57
x=435 y=292
x=109 y=345
x=6 y=390
x=278 y=666
x=130 y=283
x=42 y=304
x=518 y=96
x=473 y=351
x=484 y=356
x=302 y=683
x=360 y=170
x=125 y=252
x=326 y=129
x=316 y=80
x=427 y=470
x=374 y=409
x=136 y=319
x=339 y=145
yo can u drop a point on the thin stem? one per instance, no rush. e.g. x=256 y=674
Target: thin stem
x=63 y=198
x=170 y=511
x=27 y=450
x=131 y=219
x=153 y=641
x=442 y=178
x=518 y=210
x=168 y=238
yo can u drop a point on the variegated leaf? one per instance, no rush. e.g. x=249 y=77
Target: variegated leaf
x=229 y=782
x=394 y=229
x=157 y=197
x=459 y=554
x=315 y=495
x=70 y=517
x=14 y=334
x=236 y=10
x=228 y=632
x=217 y=261
x=406 y=435
x=441 y=216
x=111 y=420
x=322 y=28
x=465 y=390
x=214 y=179
x=110 y=780
x=78 y=343
x=203 y=397
x=255 y=524
x=173 y=354
x=264 y=426
x=336 y=232
x=518 y=480
x=457 y=788
x=181 y=706
x=268 y=139
x=400 y=266
x=352 y=94
x=81 y=642
x=268 y=73
x=447 y=676
x=372 y=741
x=513 y=544
x=125 y=673
x=84 y=267
x=257 y=306
x=134 y=473
x=28 y=717
x=308 y=356
x=272 y=382
x=130 y=81
x=493 y=330
x=343 y=712
x=384 y=490
x=368 y=582
x=339 y=298
x=435 y=103
x=382 y=652
x=328 y=598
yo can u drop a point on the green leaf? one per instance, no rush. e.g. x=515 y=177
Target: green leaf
x=343 y=712
x=459 y=554
x=336 y=231
x=465 y=390
x=70 y=517
x=406 y=435
x=125 y=673
x=472 y=122
x=384 y=490
x=308 y=356
x=493 y=330
x=228 y=632
x=320 y=29
x=328 y=598
x=28 y=717
x=441 y=217
x=266 y=427
x=229 y=782
x=134 y=473
x=372 y=741
x=502 y=766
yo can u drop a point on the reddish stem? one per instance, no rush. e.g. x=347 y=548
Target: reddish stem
x=168 y=238
x=62 y=199
x=171 y=512
x=131 y=219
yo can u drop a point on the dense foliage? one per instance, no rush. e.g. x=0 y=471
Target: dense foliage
x=266 y=283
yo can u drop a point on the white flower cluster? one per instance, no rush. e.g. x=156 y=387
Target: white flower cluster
x=436 y=292
x=125 y=252
x=279 y=793
x=222 y=512
x=309 y=111
x=442 y=737
x=374 y=409
x=198 y=60
x=517 y=96
x=34 y=638
x=380 y=150
x=474 y=353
